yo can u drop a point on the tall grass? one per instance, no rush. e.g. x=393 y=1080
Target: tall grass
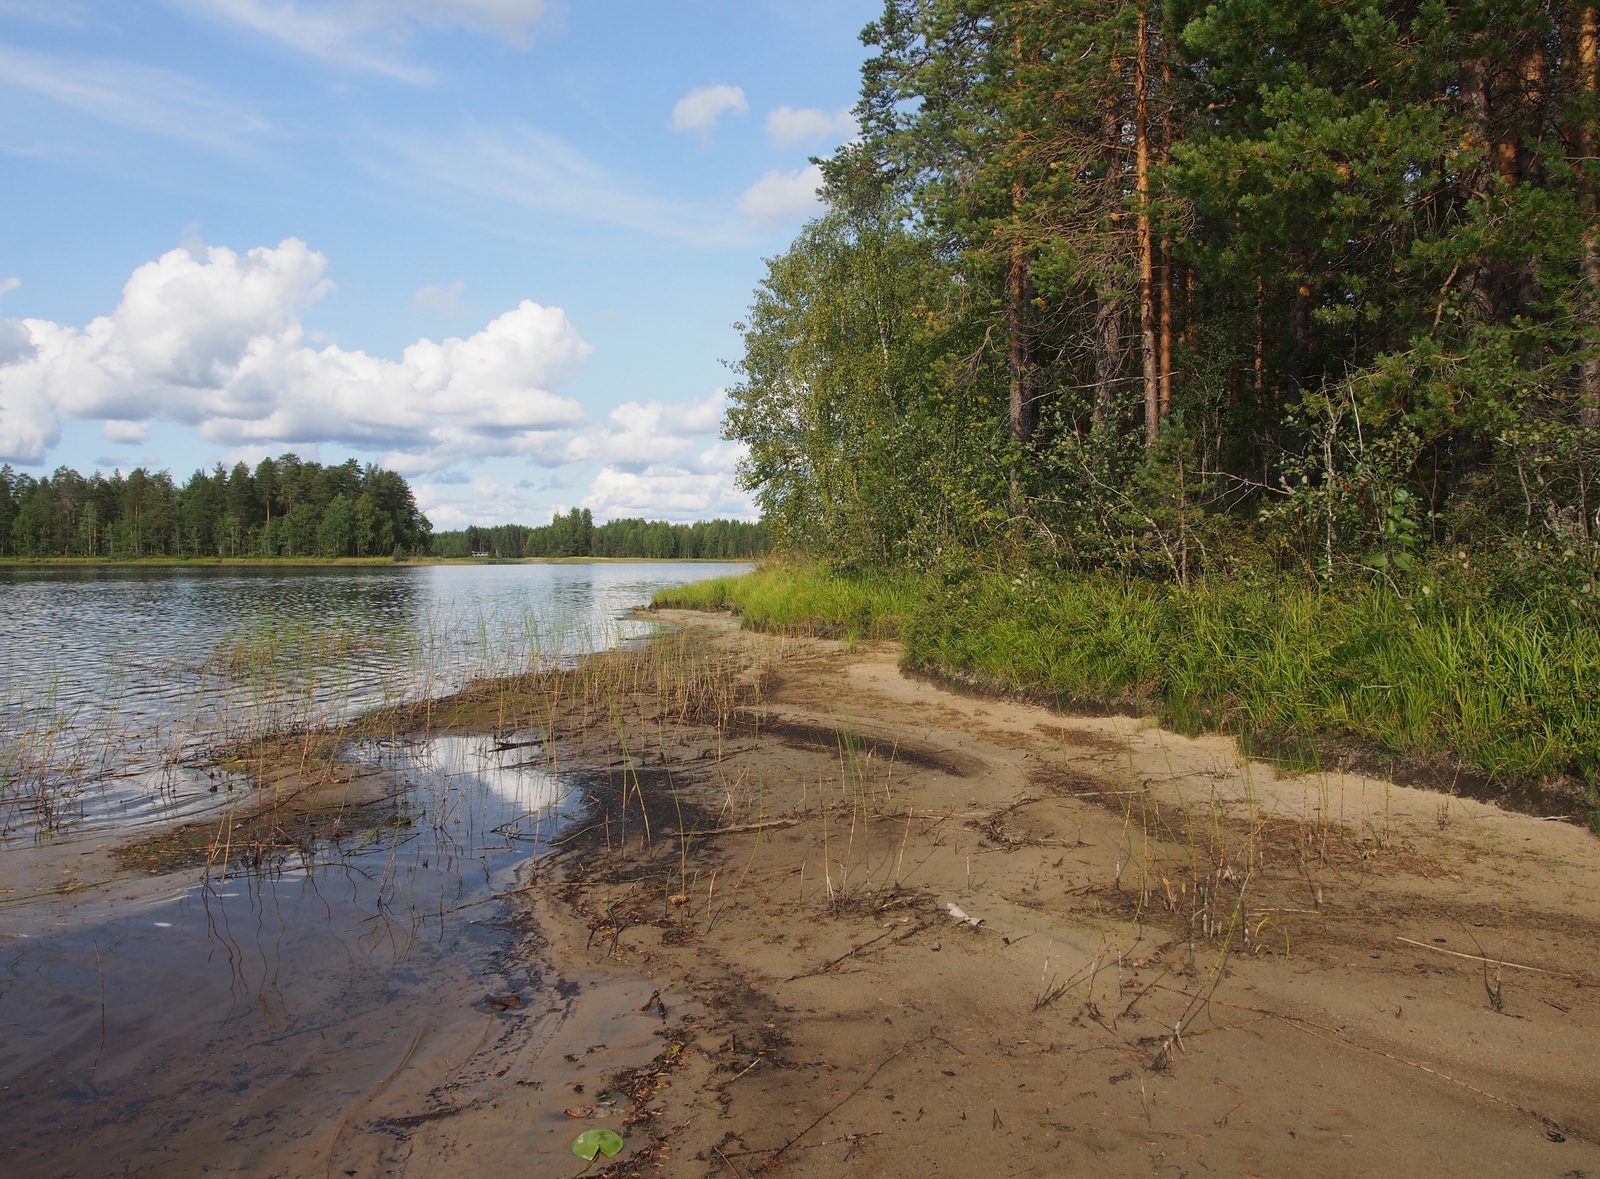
x=1506 y=690
x=799 y=599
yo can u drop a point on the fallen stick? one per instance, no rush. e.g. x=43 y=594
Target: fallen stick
x=1479 y=958
x=737 y=829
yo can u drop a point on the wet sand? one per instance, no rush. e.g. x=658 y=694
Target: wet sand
x=744 y=957
x=1183 y=964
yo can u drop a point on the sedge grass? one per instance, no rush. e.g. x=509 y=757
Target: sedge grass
x=1506 y=691
x=799 y=599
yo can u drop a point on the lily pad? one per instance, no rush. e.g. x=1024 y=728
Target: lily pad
x=593 y=1142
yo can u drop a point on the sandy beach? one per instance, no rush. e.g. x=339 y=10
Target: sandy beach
x=867 y=926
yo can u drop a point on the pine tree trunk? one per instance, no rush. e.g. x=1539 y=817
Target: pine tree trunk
x=1166 y=327
x=1168 y=287
x=1147 y=311
x=1019 y=294
x=1260 y=365
x=1299 y=334
x=1475 y=99
x=1109 y=357
x=1110 y=351
x=1588 y=42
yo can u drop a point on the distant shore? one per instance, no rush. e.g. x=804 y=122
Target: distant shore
x=346 y=562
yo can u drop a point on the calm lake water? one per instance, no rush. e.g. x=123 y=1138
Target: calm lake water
x=114 y=681
x=207 y=1023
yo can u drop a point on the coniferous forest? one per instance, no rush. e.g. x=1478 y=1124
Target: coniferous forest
x=575 y=534
x=1193 y=288
x=288 y=507
x=285 y=507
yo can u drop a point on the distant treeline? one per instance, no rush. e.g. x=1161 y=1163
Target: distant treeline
x=286 y=507
x=575 y=534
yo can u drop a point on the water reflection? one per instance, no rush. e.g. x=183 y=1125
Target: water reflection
x=117 y=679
x=236 y=1020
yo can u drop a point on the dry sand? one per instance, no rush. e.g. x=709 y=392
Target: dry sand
x=1182 y=964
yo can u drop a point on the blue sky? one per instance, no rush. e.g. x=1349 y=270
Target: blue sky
x=495 y=244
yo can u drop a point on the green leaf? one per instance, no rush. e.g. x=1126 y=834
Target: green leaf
x=593 y=1142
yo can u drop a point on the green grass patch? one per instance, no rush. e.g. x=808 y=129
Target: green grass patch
x=1506 y=690
x=806 y=599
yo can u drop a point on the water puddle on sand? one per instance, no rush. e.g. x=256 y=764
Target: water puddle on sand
x=252 y=1024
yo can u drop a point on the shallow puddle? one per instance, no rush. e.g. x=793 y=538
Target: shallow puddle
x=245 y=1025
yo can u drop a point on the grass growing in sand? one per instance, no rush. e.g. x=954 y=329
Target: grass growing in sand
x=806 y=599
x=1507 y=691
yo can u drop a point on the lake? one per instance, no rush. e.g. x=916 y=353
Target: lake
x=202 y=1021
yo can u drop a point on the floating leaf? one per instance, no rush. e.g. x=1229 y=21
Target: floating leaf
x=593 y=1142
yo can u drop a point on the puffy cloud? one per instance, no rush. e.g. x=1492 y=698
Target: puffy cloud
x=787 y=127
x=636 y=434
x=700 y=109
x=215 y=342
x=782 y=196
x=696 y=490
x=445 y=300
x=451 y=501
x=363 y=34
x=655 y=459
x=15 y=343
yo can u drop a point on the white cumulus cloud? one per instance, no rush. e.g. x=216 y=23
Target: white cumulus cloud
x=700 y=489
x=637 y=434
x=125 y=433
x=455 y=502
x=213 y=340
x=15 y=343
x=700 y=109
x=788 y=127
x=783 y=196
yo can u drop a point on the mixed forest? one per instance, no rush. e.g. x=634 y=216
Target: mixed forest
x=1237 y=360
x=1191 y=287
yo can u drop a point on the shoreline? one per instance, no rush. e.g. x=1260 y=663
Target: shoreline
x=1180 y=957
x=748 y=957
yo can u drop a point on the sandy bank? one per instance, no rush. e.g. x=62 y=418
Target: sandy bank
x=1184 y=963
